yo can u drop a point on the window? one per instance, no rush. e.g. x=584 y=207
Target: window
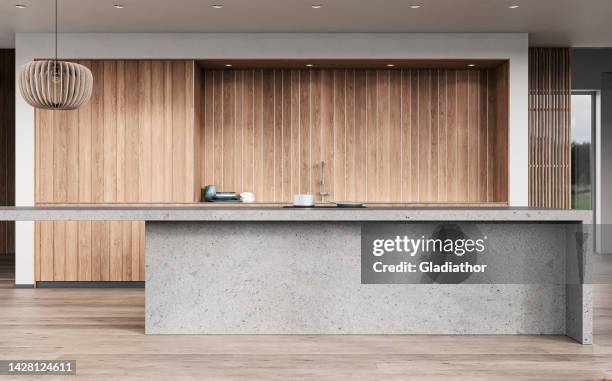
x=583 y=125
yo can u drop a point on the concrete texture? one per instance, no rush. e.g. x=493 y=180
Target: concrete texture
x=514 y=253
x=278 y=213
x=579 y=282
x=304 y=278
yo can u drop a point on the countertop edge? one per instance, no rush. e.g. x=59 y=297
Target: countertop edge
x=290 y=214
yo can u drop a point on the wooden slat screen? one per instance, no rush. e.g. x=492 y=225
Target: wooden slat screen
x=422 y=136
x=549 y=128
x=7 y=146
x=134 y=142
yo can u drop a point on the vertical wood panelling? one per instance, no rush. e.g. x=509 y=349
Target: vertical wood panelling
x=267 y=137
x=452 y=142
x=134 y=142
x=549 y=128
x=97 y=131
x=285 y=152
x=132 y=132
x=322 y=138
x=304 y=129
x=350 y=136
x=137 y=256
x=394 y=136
x=188 y=127
x=424 y=129
x=410 y=135
x=84 y=251
x=198 y=141
x=500 y=117
x=295 y=120
x=7 y=146
x=89 y=250
x=462 y=127
x=145 y=136
x=59 y=249
x=413 y=153
x=442 y=122
x=46 y=246
x=71 y=260
x=109 y=131
x=158 y=133
x=371 y=131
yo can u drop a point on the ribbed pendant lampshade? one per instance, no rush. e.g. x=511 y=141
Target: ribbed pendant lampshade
x=55 y=85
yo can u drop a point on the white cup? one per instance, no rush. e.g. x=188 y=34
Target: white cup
x=303 y=200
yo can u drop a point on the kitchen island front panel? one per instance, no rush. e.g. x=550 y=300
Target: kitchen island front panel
x=305 y=278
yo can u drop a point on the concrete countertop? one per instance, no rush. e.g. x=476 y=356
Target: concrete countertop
x=252 y=213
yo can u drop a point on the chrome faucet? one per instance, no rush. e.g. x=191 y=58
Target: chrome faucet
x=322 y=191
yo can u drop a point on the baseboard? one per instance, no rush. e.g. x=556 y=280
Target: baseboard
x=23 y=286
x=95 y=284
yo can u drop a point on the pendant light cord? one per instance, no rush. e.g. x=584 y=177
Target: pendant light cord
x=56 y=31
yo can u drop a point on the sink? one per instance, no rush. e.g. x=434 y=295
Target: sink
x=328 y=206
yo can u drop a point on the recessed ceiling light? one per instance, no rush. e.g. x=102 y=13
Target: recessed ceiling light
x=228 y=65
x=217 y=6
x=309 y=65
x=471 y=65
x=316 y=6
x=390 y=65
x=119 y=6
x=415 y=6
x=513 y=6
x=20 y=6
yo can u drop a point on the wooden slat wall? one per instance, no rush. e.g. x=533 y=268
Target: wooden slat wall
x=7 y=146
x=431 y=135
x=549 y=128
x=133 y=142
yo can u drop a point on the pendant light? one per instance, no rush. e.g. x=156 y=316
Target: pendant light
x=55 y=85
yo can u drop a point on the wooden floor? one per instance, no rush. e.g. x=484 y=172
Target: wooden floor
x=102 y=329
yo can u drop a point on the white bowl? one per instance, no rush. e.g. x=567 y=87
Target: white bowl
x=303 y=200
x=247 y=197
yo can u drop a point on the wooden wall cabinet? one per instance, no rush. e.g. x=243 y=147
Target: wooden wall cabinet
x=133 y=143
x=395 y=136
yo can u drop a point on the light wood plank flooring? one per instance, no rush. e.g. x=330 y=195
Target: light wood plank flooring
x=103 y=330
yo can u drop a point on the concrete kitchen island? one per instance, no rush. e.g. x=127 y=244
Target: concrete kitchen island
x=286 y=271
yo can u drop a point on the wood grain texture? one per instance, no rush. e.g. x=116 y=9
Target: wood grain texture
x=134 y=142
x=7 y=146
x=409 y=135
x=89 y=250
x=113 y=149
x=103 y=330
x=549 y=128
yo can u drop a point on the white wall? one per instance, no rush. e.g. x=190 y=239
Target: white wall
x=266 y=45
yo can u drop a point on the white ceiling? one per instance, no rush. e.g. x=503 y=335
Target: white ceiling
x=578 y=23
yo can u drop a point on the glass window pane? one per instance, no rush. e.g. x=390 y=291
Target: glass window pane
x=582 y=127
